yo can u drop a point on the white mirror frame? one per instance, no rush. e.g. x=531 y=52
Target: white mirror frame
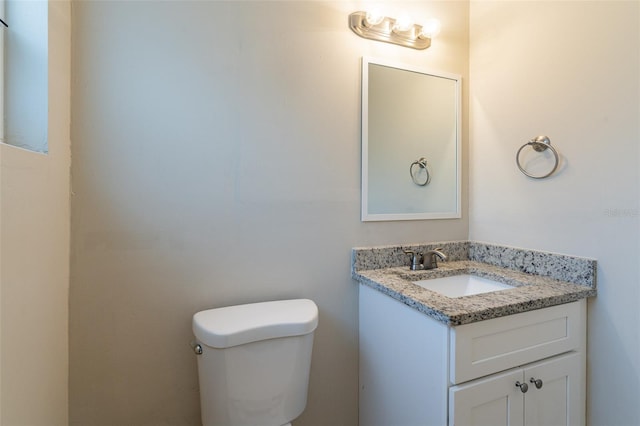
x=365 y=215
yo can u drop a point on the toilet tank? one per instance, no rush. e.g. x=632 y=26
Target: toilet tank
x=255 y=361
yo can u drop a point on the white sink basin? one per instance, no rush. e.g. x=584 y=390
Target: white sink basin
x=462 y=285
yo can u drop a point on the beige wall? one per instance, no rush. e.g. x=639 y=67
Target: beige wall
x=34 y=257
x=216 y=161
x=570 y=70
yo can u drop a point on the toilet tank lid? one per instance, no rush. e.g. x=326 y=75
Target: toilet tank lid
x=237 y=325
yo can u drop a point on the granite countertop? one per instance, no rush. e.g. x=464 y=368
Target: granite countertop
x=569 y=280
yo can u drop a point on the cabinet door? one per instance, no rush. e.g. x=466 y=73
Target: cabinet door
x=492 y=401
x=559 y=401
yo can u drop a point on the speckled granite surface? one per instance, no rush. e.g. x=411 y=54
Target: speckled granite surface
x=578 y=270
x=540 y=279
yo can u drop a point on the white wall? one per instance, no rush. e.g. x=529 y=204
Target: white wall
x=34 y=257
x=216 y=161
x=569 y=70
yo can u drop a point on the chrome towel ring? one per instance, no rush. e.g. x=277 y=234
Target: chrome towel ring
x=422 y=164
x=539 y=144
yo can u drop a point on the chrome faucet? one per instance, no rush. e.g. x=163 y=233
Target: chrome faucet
x=430 y=261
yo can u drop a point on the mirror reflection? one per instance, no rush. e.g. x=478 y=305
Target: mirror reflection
x=410 y=143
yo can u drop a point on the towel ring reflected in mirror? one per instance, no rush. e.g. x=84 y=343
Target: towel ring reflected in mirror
x=422 y=166
x=539 y=144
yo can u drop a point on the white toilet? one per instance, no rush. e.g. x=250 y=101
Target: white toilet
x=253 y=362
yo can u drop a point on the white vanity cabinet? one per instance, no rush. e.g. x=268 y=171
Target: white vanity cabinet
x=417 y=371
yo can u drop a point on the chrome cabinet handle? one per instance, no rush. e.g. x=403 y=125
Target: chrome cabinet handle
x=523 y=387
x=536 y=382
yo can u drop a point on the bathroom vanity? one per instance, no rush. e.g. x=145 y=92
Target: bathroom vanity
x=512 y=356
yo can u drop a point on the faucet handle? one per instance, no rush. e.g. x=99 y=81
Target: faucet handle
x=416 y=259
x=412 y=253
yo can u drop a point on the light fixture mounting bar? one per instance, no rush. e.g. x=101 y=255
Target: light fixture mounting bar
x=384 y=31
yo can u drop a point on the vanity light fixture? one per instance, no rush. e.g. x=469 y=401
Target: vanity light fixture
x=401 y=31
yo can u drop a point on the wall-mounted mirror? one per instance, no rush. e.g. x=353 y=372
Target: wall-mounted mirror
x=410 y=142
